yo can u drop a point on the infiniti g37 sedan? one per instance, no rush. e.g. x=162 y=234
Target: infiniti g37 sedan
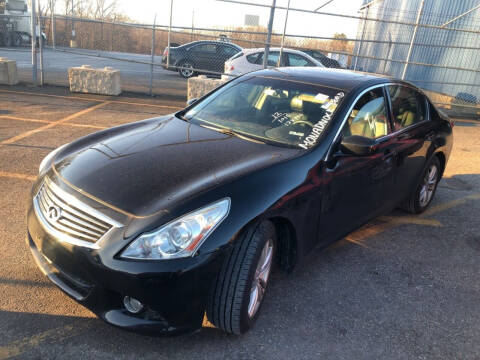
x=154 y=223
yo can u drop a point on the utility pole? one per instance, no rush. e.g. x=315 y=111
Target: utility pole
x=269 y=34
x=34 y=42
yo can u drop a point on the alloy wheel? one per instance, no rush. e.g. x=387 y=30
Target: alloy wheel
x=187 y=70
x=428 y=187
x=260 y=279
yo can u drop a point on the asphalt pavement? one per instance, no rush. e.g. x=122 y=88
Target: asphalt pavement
x=401 y=287
x=135 y=74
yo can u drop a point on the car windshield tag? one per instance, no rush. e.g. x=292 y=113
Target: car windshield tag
x=320 y=126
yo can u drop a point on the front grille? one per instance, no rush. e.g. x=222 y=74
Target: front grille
x=69 y=219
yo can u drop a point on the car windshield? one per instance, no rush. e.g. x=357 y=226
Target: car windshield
x=280 y=112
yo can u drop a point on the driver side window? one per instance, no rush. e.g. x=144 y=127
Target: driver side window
x=368 y=117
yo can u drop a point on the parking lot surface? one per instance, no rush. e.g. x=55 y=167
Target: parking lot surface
x=135 y=74
x=401 y=287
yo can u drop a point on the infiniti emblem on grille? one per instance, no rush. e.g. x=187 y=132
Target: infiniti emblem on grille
x=54 y=213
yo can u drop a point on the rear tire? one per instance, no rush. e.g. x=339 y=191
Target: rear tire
x=239 y=288
x=186 y=69
x=421 y=198
x=7 y=39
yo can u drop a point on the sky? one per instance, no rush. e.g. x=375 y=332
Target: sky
x=217 y=14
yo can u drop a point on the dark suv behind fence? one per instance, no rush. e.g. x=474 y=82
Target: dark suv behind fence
x=198 y=57
x=325 y=60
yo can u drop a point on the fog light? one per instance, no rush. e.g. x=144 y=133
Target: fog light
x=132 y=305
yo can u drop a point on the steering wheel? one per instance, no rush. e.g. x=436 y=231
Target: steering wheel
x=305 y=122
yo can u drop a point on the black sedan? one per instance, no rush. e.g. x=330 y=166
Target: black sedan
x=199 y=57
x=153 y=223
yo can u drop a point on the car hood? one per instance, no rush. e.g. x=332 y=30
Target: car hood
x=145 y=167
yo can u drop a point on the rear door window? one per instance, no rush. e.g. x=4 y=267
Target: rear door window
x=228 y=51
x=252 y=58
x=206 y=48
x=272 y=58
x=408 y=106
x=297 y=60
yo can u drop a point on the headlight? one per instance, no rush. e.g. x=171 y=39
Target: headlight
x=181 y=237
x=47 y=160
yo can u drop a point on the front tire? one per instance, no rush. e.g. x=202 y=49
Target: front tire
x=421 y=198
x=239 y=288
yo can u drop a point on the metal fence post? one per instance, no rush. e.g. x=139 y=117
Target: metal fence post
x=361 y=39
x=193 y=18
x=283 y=36
x=113 y=31
x=54 y=24
x=153 y=55
x=34 y=42
x=40 y=42
x=413 y=39
x=73 y=38
x=169 y=33
x=269 y=34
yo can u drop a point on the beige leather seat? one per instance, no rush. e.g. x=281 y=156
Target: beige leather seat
x=363 y=128
x=405 y=119
x=380 y=128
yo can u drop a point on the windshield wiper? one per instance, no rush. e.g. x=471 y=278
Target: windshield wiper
x=231 y=133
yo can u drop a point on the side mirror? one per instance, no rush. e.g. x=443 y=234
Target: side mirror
x=191 y=101
x=358 y=145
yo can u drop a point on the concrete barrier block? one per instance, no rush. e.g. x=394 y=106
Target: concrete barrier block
x=86 y=79
x=8 y=72
x=199 y=86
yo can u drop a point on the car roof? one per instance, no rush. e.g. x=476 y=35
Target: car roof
x=249 y=51
x=211 y=42
x=345 y=80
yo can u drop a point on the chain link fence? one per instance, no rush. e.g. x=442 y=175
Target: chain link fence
x=427 y=42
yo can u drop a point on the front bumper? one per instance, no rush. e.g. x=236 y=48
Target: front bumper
x=174 y=292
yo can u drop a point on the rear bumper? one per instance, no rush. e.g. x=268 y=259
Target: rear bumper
x=170 y=68
x=174 y=300
x=164 y=64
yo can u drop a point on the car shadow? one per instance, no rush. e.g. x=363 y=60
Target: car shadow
x=22 y=282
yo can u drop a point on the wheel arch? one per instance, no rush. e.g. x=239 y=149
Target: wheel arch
x=443 y=161
x=186 y=59
x=286 y=242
